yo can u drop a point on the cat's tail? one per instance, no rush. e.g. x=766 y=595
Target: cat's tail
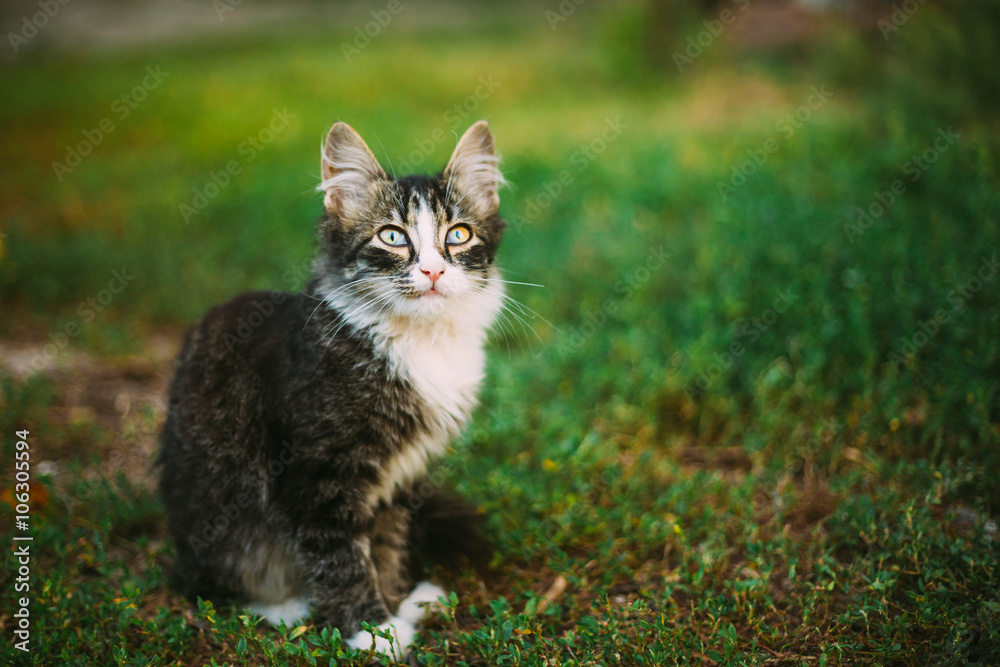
x=447 y=530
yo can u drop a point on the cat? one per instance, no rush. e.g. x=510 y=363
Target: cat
x=300 y=425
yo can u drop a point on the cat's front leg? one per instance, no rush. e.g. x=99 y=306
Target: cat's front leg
x=390 y=553
x=345 y=586
x=347 y=593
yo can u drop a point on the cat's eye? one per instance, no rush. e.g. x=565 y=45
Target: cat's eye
x=458 y=235
x=393 y=236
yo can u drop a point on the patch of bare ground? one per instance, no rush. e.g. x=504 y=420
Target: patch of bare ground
x=108 y=408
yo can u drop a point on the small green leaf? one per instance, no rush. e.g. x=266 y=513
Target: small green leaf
x=531 y=608
x=505 y=630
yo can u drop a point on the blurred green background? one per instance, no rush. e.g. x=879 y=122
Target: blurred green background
x=744 y=420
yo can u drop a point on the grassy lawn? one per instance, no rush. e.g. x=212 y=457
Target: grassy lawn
x=742 y=423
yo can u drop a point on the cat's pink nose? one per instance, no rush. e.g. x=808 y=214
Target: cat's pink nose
x=433 y=274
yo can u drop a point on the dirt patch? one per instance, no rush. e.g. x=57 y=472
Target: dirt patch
x=109 y=408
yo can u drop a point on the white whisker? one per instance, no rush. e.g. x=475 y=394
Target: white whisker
x=516 y=331
x=346 y=318
x=524 y=323
x=502 y=323
x=530 y=310
x=375 y=319
x=508 y=282
x=327 y=298
x=353 y=310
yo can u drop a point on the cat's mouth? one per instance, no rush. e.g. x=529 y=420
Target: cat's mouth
x=430 y=292
x=427 y=294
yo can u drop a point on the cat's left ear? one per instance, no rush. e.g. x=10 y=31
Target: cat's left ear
x=473 y=171
x=350 y=171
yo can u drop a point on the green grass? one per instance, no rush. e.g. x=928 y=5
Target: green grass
x=658 y=495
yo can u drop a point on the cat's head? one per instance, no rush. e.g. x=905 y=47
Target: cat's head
x=415 y=246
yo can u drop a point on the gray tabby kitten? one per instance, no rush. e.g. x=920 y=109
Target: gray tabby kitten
x=299 y=425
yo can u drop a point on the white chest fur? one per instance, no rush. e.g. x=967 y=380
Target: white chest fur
x=446 y=373
x=444 y=361
x=445 y=369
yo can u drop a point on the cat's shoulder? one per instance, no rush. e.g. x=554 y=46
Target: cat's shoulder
x=251 y=317
x=266 y=303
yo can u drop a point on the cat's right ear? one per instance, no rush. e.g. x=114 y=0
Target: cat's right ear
x=349 y=171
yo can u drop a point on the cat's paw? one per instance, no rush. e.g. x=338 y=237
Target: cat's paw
x=288 y=612
x=402 y=631
x=411 y=608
